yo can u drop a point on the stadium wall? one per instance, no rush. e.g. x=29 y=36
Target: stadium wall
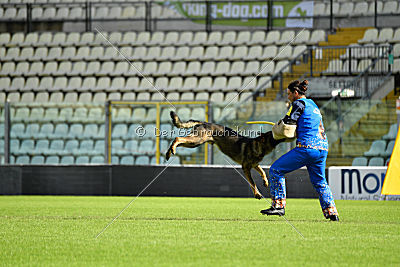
x=123 y=180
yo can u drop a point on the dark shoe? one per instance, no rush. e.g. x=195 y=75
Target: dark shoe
x=274 y=211
x=334 y=218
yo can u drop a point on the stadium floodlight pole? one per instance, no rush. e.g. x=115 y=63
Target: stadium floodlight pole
x=7 y=124
x=107 y=131
x=287 y=221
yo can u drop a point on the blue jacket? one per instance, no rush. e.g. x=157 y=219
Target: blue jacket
x=310 y=128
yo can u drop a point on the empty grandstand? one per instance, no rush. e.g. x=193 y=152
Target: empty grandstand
x=62 y=62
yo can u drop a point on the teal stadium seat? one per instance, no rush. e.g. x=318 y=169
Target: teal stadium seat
x=70 y=146
x=376 y=161
x=376 y=149
x=146 y=147
x=91 y=130
x=142 y=160
x=60 y=131
x=42 y=146
x=86 y=146
x=119 y=131
x=131 y=147
x=22 y=160
x=52 y=160
x=17 y=129
x=99 y=148
x=392 y=132
x=127 y=160
x=75 y=131
x=46 y=130
x=37 y=160
x=117 y=146
x=56 y=147
x=97 y=160
x=31 y=131
x=82 y=160
x=360 y=161
x=67 y=160
x=27 y=147
x=389 y=149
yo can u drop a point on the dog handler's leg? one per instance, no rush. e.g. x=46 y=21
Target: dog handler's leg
x=247 y=173
x=263 y=175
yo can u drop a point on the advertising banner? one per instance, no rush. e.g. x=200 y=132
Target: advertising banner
x=247 y=13
x=357 y=183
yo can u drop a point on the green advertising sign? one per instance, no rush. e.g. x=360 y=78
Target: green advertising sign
x=247 y=13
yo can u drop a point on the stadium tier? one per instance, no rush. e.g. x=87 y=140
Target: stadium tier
x=58 y=82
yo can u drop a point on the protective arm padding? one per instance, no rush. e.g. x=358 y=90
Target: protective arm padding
x=281 y=130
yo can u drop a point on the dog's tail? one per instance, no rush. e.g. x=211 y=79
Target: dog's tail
x=179 y=124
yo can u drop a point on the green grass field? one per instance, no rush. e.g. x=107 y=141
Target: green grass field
x=48 y=230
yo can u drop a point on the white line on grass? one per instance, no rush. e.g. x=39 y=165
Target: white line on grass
x=266 y=200
x=119 y=214
x=262 y=70
x=132 y=65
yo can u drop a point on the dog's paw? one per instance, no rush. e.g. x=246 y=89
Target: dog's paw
x=257 y=195
x=169 y=153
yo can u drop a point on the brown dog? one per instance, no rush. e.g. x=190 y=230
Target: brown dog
x=246 y=151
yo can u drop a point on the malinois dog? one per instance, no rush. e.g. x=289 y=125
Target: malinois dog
x=246 y=151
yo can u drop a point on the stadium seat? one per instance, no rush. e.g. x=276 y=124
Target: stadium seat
x=392 y=132
x=360 y=161
x=37 y=160
x=390 y=7
x=97 y=160
x=127 y=160
x=242 y=53
x=376 y=161
x=286 y=37
x=52 y=160
x=146 y=146
x=61 y=129
x=67 y=160
x=236 y=69
x=389 y=149
x=46 y=130
x=273 y=37
x=360 y=8
x=370 y=36
x=385 y=35
x=376 y=149
x=31 y=131
x=243 y=38
x=82 y=160
x=196 y=53
x=142 y=160
x=70 y=147
x=22 y=160
x=56 y=147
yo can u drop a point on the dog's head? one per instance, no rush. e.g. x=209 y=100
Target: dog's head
x=268 y=141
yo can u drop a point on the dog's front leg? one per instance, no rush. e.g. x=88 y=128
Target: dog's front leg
x=247 y=173
x=263 y=175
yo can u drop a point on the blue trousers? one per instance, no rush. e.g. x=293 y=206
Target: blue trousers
x=315 y=161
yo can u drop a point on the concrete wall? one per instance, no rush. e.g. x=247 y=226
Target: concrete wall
x=198 y=181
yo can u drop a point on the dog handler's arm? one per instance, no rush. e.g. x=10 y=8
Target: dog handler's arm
x=286 y=128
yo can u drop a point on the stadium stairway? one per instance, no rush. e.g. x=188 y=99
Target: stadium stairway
x=342 y=37
x=372 y=126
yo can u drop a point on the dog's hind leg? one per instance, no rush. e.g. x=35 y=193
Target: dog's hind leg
x=247 y=173
x=263 y=175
